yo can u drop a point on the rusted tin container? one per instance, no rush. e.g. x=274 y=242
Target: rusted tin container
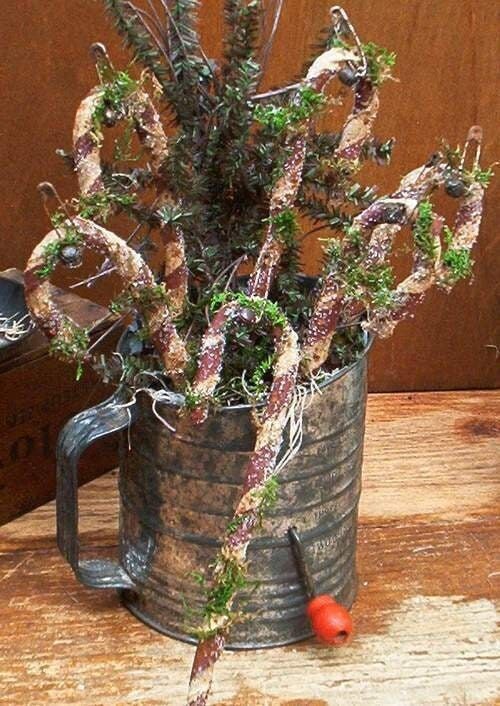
x=177 y=494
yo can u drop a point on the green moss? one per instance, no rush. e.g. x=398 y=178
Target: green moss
x=262 y=307
x=112 y=98
x=380 y=62
x=285 y=225
x=479 y=176
x=52 y=251
x=279 y=118
x=257 y=384
x=422 y=230
x=235 y=524
x=71 y=344
x=269 y=494
x=141 y=299
x=338 y=43
x=375 y=283
x=102 y=204
x=265 y=499
x=457 y=260
x=192 y=399
x=230 y=579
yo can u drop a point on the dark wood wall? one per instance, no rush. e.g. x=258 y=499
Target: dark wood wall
x=447 y=66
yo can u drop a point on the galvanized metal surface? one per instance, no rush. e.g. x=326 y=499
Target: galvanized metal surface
x=178 y=492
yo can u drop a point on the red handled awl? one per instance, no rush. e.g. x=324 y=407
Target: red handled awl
x=330 y=621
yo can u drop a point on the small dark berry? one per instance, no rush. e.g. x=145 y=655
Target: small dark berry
x=71 y=256
x=110 y=117
x=247 y=315
x=394 y=213
x=348 y=76
x=454 y=187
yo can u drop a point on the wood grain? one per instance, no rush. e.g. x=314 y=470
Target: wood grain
x=448 y=71
x=425 y=617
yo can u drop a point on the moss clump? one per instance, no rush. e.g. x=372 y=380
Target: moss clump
x=269 y=495
x=192 y=399
x=276 y=119
x=262 y=307
x=230 y=579
x=285 y=225
x=374 y=283
x=51 y=254
x=380 y=61
x=422 y=230
x=71 y=344
x=113 y=95
x=479 y=176
x=257 y=383
x=102 y=204
x=142 y=299
x=458 y=261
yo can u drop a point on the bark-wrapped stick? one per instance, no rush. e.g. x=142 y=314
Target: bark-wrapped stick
x=411 y=291
x=231 y=560
x=358 y=127
x=285 y=191
x=377 y=226
x=67 y=338
x=135 y=105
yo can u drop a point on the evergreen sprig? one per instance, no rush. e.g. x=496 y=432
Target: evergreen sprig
x=129 y=26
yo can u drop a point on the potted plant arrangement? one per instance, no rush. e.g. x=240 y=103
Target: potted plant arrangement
x=241 y=384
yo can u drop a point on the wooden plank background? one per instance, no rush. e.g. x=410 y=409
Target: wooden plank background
x=448 y=71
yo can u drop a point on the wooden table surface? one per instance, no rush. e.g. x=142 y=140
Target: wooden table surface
x=425 y=616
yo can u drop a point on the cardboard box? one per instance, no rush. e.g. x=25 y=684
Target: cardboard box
x=38 y=394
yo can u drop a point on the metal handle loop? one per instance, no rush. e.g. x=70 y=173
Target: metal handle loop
x=79 y=433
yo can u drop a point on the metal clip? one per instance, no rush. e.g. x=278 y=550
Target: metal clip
x=339 y=17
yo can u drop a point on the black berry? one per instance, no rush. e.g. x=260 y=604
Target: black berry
x=71 y=256
x=247 y=315
x=348 y=76
x=394 y=213
x=454 y=187
x=110 y=117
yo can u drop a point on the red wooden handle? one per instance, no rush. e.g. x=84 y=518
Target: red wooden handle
x=330 y=621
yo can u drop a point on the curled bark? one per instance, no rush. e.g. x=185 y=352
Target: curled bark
x=426 y=272
x=140 y=286
x=259 y=470
x=285 y=191
x=358 y=127
x=377 y=226
x=137 y=107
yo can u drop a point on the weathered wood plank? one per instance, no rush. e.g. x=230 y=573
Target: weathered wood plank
x=435 y=455
x=425 y=633
x=425 y=616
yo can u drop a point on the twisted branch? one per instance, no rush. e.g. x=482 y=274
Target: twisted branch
x=377 y=225
x=70 y=340
x=231 y=559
